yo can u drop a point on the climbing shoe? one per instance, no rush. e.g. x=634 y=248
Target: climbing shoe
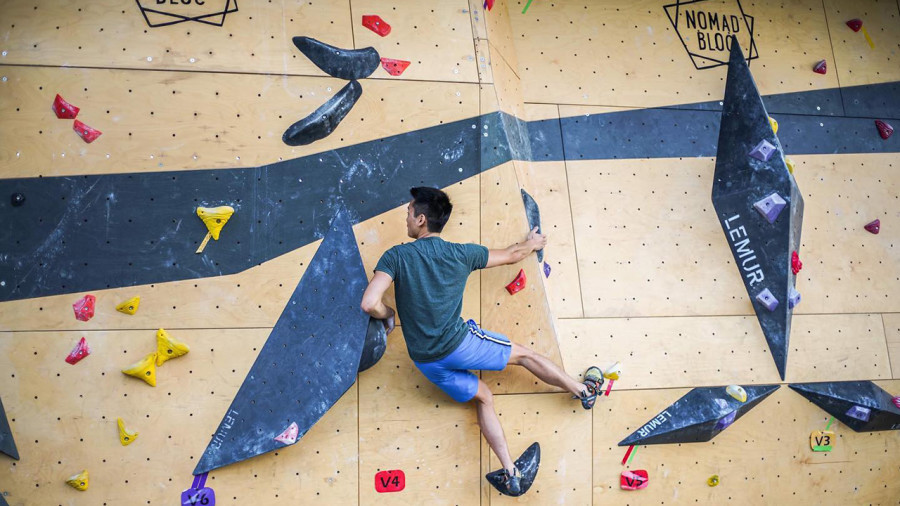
x=593 y=383
x=525 y=471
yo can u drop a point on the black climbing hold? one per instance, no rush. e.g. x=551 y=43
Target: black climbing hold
x=761 y=244
x=309 y=360
x=325 y=119
x=17 y=199
x=861 y=405
x=698 y=416
x=7 y=443
x=527 y=464
x=533 y=212
x=337 y=62
x=376 y=343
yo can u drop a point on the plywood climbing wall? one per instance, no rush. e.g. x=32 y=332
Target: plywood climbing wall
x=606 y=113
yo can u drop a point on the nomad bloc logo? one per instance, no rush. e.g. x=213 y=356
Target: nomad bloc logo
x=706 y=26
x=169 y=12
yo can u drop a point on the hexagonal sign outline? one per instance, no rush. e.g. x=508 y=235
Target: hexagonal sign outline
x=748 y=23
x=230 y=6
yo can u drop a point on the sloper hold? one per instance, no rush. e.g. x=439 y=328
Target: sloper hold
x=761 y=250
x=374 y=346
x=873 y=227
x=144 y=369
x=885 y=130
x=126 y=437
x=309 y=360
x=821 y=67
x=861 y=405
x=698 y=416
x=350 y=64
x=322 y=122
x=79 y=481
x=7 y=443
x=167 y=347
x=533 y=213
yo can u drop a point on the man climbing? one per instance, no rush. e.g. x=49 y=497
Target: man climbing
x=429 y=276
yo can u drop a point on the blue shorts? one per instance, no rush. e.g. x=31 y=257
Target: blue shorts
x=479 y=350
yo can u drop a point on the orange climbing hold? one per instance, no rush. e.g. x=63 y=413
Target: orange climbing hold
x=394 y=67
x=517 y=284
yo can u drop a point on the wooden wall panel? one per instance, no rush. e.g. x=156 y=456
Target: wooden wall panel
x=892 y=332
x=856 y=61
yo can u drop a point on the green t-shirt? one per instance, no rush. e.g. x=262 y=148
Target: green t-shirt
x=429 y=278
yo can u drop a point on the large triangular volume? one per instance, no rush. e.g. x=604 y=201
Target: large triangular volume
x=861 y=405
x=698 y=416
x=309 y=360
x=758 y=205
x=7 y=443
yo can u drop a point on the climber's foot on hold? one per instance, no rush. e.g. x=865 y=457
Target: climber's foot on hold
x=519 y=481
x=593 y=383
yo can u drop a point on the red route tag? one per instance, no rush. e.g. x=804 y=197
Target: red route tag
x=390 y=481
x=634 y=480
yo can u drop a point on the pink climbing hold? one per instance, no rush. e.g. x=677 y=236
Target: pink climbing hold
x=874 y=227
x=84 y=308
x=87 y=133
x=377 y=25
x=63 y=109
x=80 y=351
x=896 y=401
x=821 y=68
x=885 y=130
x=517 y=284
x=796 y=264
x=855 y=24
x=289 y=436
x=394 y=67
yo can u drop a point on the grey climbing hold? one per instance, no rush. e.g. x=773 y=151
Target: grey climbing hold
x=763 y=151
x=768 y=300
x=7 y=443
x=793 y=298
x=374 y=346
x=337 y=62
x=309 y=360
x=322 y=122
x=527 y=464
x=770 y=207
x=533 y=212
x=861 y=405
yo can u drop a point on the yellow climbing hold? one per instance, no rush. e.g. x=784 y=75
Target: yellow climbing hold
x=168 y=348
x=790 y=164
x=737 y=392
x=613 y=372
x=215 y=218
x=145 y=369
x=130 y=306
x=79 y=481
x=774 y=124
x=126 y=437
x=713 y=480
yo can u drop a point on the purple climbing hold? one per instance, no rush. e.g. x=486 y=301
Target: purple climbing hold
x=766 y=298
x=546 y=270
x=793 y=298
x=770 y=207
x=763 y=151
x=726 y=421
x=860 y=413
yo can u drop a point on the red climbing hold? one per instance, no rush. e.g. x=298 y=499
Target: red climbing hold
x=517 y=284
x=87 y=133
x=821 y=67
x=855 y=24
x=488 y=4
x=874 y=227
x=63 y=109
x=394 y=67
x=796 y=264
x=634 y=480
x=885 y=130
x=377 y=25
x=80 y=351
x=390 y=481
x=84 y=308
